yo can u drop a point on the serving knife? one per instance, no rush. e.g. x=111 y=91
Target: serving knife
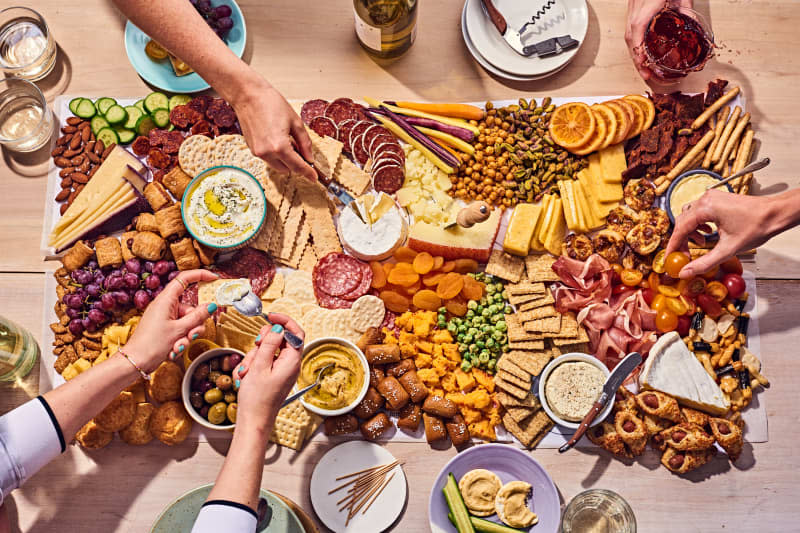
x=548 y=47
x=617 y=377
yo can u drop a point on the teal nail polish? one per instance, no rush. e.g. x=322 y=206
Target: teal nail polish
x=172 y=355
x=277 y=328
x=241 y=368
x=237 y=383
x=258 y=339
x=194 y=337
x=181 y=347
x=211 y=307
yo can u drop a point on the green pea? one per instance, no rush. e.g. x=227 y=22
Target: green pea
x=462 y=328
x=491 y=364
x=481 y=345
x=508 y=310
x=468 y=338
x=466 y=366
x=472 y=304
x=473 y=348
x=483 y=357
x=462 y=347
x=470 y=314
x=442 y=310
x=452 y=328
x=490 y=343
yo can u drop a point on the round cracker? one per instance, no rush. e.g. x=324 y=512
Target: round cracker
x=196 y=154
x=286 y=306
x=368 y=311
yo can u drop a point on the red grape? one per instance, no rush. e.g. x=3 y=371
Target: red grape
x=141 y=299
x=225 y=23
x=152 y=282
x=131 y=280
x=97 y=316
x=172 y=275
x=92 y=265
x=75 y=326
x=73 y=301
x=133 y=265
x=161 y=268
x=73 y=313
x=93 y=289
x=222 y=11
x=107 y=301
x=148 y=266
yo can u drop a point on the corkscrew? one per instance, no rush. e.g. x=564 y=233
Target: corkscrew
x=540 y=13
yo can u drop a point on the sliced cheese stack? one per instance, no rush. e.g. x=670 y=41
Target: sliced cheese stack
x=106 y=195
x=456 y=242
x=521 y=228
x=602 y=179
x=551 y=226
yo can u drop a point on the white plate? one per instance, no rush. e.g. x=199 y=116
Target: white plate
x=564 y=17
x=345 y=459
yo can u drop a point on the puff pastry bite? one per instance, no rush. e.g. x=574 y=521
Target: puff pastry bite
x=659 y=404
x=77 y=256
x=176 y=181
x=687 y=436
x=729 y=435
x=148 y=246
x=605 y=435
x=170 y=221
x=184 y=254
x=681 y=462
x=108 y=251
x=156 y=195
x=146 y=222
x=631 y=430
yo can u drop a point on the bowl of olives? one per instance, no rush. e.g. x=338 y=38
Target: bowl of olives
x=208 y=388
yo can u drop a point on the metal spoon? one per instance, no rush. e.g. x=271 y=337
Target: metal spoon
x=752 y=167
x=314 y=385
x=250 y=305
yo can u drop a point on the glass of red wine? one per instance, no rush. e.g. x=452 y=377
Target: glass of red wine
x=677 y=41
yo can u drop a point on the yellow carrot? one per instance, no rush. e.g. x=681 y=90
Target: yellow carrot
x=469 y=112
x=450 y=140
x=445 y=146
x=414 y=113
x=399 y=132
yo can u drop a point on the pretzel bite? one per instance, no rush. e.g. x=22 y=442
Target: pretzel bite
x=622 y=220
x=457 y=430
x=92 y=437
x=398 y=369
x=605 y=435
x=170 y=423
x=376 y=426
x=578 y=247
x=340 y=425
x=681 y=462
x=434 y=428
x=609 y=244
x=643 y=239
x=376 y=374
x=659 y=404
x=379 y=354
x=396 y=396
x=138 y=431
x=439 y=406
x=687 y=437
x=413 y=385
x=729 y=435
x=118 y=414
x=371 y=404
x=631 y=430
x=410 y=417
x=373 y=335
x=639 y=194
x=165 y=382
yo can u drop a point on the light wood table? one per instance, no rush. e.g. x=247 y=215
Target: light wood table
x=307 y=49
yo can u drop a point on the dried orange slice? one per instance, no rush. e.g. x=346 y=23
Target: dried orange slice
x=611 y=123
x=623 y=122
x=572 y=125
x=647 y=107
x=636 y=115
x=597 y=139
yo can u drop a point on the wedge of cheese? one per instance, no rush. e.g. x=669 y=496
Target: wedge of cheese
x=569 y=204
x=547 y=219
x=672 y=369
x=612 y=163
x=558 y=226
x=589 y=185
x=523 y=221
x=452 y=243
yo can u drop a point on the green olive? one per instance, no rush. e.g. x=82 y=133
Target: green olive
x=231 y=412
x=229 y=397
x=213 y=396
x=213 y=375
x=216 y=415
x=224 y=382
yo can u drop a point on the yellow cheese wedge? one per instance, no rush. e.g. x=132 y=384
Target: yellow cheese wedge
x=601 y=208
x=594 y=168
x=380 y=208
x=90 y=213
x=568 y=204
x=536 y=243
x=523 y=221
x=555 y=235
x=548 y=218
x=612 y=163
x=107 y=208
x=583 y=218
x=592 y=219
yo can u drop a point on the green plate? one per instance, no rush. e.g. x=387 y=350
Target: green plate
x=179 y=516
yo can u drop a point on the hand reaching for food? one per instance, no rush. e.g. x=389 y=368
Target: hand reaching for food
x=639 y=14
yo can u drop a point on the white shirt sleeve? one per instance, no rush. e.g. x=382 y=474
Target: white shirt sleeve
x=223 y=515
x=30 y=437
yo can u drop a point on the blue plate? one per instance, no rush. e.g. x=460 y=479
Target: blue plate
x=180 y=515
x=160 y=73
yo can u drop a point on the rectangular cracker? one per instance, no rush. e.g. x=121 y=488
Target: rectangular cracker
x=512 y=389
x=520 y=414
x=233 y=337
x=506 y=364
x=539 y=268
x=326 y=152
x=516 y=332
x=511 y=378
x=581 y=347
x=506 y=400
x=352 y=178
x=506 y=266
x=323 y=230
x=525 y=287
x=259 y=320
x=275 y=289
x=237 y=323
x=569 y=328
x=551 y=324
x=546 y=300
x=300 y=245
x=536 y=313
x=527 y=345
x=531 y=431
x=531 y=362
x=582 y=338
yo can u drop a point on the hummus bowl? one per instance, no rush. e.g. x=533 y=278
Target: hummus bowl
x=343 y=386
x=224 y=207
x=574 y=357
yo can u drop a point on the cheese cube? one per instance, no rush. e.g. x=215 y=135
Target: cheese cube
x=612 y=163
x=520 y=229
x=82 y=365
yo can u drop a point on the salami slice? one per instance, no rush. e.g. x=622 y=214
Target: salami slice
x=337 y=274
x=182 y=116
x=157 y=158
x=388 y=178
x=383 y=162
x=190 y=295
x=200 y=103
x=378 y=140
x=313 y=109
x=141 y=146
x=339 y=111
x=173 y=142
x=201 y=127
x=360 y=127
x=360 y=111
x=364 y=286
x=390 y=148
x=252 y=264
x=375 y=131
x=156 y=137
x=348 y=101
x=323 y=126
x=331 y=302
x=343 y=133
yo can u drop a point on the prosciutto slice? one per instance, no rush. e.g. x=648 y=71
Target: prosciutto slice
x=616 y=324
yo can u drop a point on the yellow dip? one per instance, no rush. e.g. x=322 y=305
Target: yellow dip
x=479 y=488
x=340 y=384
x=689 y=189
x=511 y=505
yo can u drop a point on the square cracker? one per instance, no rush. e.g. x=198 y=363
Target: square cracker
x=237 y=323
x=326 y=152
x=506 y=266
x=233 y=337
x=517 y=333
x=551 y=324
x=530 y=401
x=540 y=268
x=511 y=378
x=511 y=388
x=520 y=414
x=569 y=328
x=536 y=313
x=527 y=345
x=292 y=425
x=531 y=431
x=352 y=178
x=275 y=289
x=531 y=362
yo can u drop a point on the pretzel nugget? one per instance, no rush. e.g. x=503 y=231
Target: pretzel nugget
x=709 y=112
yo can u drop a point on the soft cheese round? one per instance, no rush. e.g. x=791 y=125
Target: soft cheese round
x=375 y=242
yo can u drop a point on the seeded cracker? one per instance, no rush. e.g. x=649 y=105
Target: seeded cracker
x=531 y=431
x=525 y=288
x=524 y=384
x=540 y=268
x=547 y=300
x=275 y=289
x=506 y=364
x=530 y=401
x=517 y=333
x=581 y=338
x=352 y=178
x=326 y=152
x=569 y=328
x=544 y=325
x=532 y=362
x=511 y=388
x=538 y=312
x=527 y=345
x=505 y=266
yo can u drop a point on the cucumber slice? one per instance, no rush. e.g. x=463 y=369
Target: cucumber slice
x=179 y=99
x=161 y=117
x=145 y=124
x=98 y=123
x=108 y=136
x=486 y=526
x=85 y=108
x=102 y=104
x=456 y=505
x=116 y=114
x=125 y=135
x=155 y=101
x=73 y=104
x=140 y=105
x=133 y=115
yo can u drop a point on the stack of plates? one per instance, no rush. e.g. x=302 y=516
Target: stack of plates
x=487 y=46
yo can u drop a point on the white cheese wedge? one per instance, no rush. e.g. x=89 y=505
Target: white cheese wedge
x=672 y=369
x=376 y=241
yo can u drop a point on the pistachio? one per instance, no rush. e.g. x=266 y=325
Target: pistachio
x=546 y=101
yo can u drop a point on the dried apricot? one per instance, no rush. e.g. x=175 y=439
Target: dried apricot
x=438 y=261
x=423 y=263
x=428 y=300
x=378 y=275
x=432 y=279
x=473 y=289
x=394 y=302
x=387 y=267
x=465 y=266
x=404 y=254
x=450 y=285
x=412 y=290
x=403 y=274
x=457 y=306
x=448 y=266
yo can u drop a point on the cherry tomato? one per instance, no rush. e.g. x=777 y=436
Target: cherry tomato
x=692 y=287
x=649 y=295
x=653 y=281
x=666 y=321
x=735 y=285
x=631 y=277
x=659 y=302
x=659 y=262
x=675 y=262
x=619 y=289
x=691 y=307
x=732 y=266
x=711 y=274
x=716 y=290
x=616 y=267
x=709 y=305
x=668 y=290
x=676 y=306
x=684 y=323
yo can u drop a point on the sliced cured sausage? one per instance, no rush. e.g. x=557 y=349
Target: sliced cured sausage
x=340 y=110
x=252 y=264
x=157 y=158
x=323 y=126
x=313 y=109
x=343 y=133
x=388 y=178
x=141 y=146
x=337 y=274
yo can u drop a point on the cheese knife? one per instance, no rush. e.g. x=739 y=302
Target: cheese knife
x=513 y=38
x=617 y=377
x=474 y=213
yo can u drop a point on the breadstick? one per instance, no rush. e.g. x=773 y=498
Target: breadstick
x=743 y=158
x=726 y=133
x=726 y=171
x=721 y=101
x=742 y=150
x=722 y=118
x=744 y=188
x=734 y=138
x=690 y=156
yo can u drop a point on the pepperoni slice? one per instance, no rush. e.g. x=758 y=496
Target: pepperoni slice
x=337 y=274
x=376 y=141
x=181 y=116
x=364 y=286
x=173 y=142
x=388 y=178
x=199 y=103
x=375 y=131
x=201 y=127
x=157 y=136
x=360 y=127
x=141 y=146
x=359 y=153
x=390 y=148
x=313 y=109
x=252 y=264
x=157 y=158
x=323 y=126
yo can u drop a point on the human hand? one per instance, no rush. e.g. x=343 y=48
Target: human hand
x=265 y=380
x=167 y=324
x=640 y=12
x=274 y=132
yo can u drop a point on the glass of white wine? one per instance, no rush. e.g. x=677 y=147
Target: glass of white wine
x=18 y=350
x=27 y=48
x=26 y=123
